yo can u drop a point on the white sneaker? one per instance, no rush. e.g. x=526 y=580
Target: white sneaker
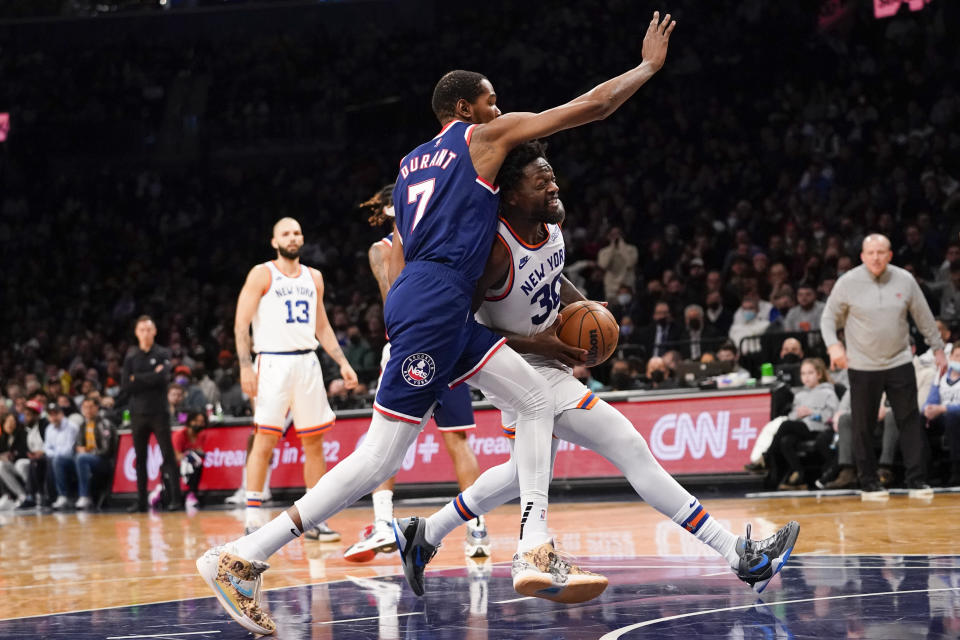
x=6 y=503
x=62 y=502
x=543 y=573
x=238 y=498
x=237 y=584
x=477 y=544
x=84 y=502
x=375 y=538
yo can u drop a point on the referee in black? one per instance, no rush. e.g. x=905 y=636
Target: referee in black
x=146 y=373
x=871 y=303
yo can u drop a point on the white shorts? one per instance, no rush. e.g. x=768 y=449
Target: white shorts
x=568 y=393
x=291 y=382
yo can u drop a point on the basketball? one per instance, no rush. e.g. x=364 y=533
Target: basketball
x=589 y=325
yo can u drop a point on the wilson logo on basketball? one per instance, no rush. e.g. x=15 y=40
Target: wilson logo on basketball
x=418 y=369
x=594 y=346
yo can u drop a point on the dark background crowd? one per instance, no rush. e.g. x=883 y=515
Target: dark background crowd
x=150 y=152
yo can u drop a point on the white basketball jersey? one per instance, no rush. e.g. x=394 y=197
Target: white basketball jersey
x=528 y=301
x=286 y=319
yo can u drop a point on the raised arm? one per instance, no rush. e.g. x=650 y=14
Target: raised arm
x=491 y=142
x=257 y=283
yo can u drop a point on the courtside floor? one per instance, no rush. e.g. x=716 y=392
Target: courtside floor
x=860 y=570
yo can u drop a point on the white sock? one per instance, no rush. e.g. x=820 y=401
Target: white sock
x=452 y=515
x=254 y=500
x=533 y=521
x=265 y=541
x=383 y=505
x=695 y=519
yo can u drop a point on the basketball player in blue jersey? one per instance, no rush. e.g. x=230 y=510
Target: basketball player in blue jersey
x=454 y=418
x=525 y=266
x=446 y=215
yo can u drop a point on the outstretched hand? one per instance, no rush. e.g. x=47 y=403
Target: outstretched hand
x=655 y=42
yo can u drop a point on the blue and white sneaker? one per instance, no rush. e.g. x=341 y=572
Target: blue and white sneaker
x=415 y=551
x=760 y=560
x=477 y=544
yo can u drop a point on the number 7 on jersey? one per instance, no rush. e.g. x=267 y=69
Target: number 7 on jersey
x=421 y=191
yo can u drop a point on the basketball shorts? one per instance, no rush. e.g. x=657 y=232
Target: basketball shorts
x=291 y=382
x=454 y=410
x=435 y=342
x=568 y=393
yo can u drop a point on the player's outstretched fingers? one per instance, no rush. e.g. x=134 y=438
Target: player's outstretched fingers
x=663 y=25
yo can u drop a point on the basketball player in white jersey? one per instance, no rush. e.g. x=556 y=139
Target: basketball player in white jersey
x=284 y=301
x=453 y=419
x=525 y=268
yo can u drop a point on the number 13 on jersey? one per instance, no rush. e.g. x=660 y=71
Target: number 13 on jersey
x=302 y=310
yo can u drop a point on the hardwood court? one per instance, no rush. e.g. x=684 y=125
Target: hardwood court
x=60 y=563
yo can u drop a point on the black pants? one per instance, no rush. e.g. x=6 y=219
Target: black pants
x=784 y=448
x=142 y=426
x=900 y=384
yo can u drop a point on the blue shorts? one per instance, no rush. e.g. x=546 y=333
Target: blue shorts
x=455 y=411
x=435 y=342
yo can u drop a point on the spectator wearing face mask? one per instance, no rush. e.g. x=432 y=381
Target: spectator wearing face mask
x=750 y=320
x=717 y=315
x=699 y=337
x=193 y=397
x=658 y=375
x=662 y=334
x=621 y=376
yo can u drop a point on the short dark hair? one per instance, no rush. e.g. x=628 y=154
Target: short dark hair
x=453 y=86
x=511 y=171
x=143 y=318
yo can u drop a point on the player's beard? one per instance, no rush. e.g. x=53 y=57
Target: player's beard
x=289 y=254
x=552 y=216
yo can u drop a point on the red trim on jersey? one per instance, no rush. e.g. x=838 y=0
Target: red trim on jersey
x=269 y=284
x=509 y=277
x=489 y=187
x=469 y=133
x=517 y=238
x=479 y=365
x=387 y=241
x=395 y=416
x=444 y=129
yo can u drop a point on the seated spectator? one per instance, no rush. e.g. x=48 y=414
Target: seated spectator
x=58 y=450
x=193 y=396
x=233 y=400
x=718 y=317
x=656 y=338
x=189 y=445
x=942 y=411
x=33 y=468
x=582 y=373
x=750 y=320
x=843 y=473
x=699 y=336
x=728 y=353
x=806 y=315
x=622 y=377
x=96 y=446
x=813 y=406
x=950 y=297
x=13 y=447
x=175 y=408
x=360 y=355
x=658 y=375
x=783 y=301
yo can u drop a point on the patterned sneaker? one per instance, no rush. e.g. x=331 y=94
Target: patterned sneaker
x=375 y=538
x=477 y=544
x=322 y=533
x=543 y=573
x=415 y=551
x=760 y=560
x=236 y=583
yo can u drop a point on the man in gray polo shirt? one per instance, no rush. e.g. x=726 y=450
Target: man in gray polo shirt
x=871 y=303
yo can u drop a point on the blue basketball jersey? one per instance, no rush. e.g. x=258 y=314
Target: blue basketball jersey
x=445 y=212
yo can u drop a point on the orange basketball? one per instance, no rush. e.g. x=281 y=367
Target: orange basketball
x=588 y=325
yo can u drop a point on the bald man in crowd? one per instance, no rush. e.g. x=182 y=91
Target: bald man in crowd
x=871 y=302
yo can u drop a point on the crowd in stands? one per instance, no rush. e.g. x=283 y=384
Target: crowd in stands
x=714 y=213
